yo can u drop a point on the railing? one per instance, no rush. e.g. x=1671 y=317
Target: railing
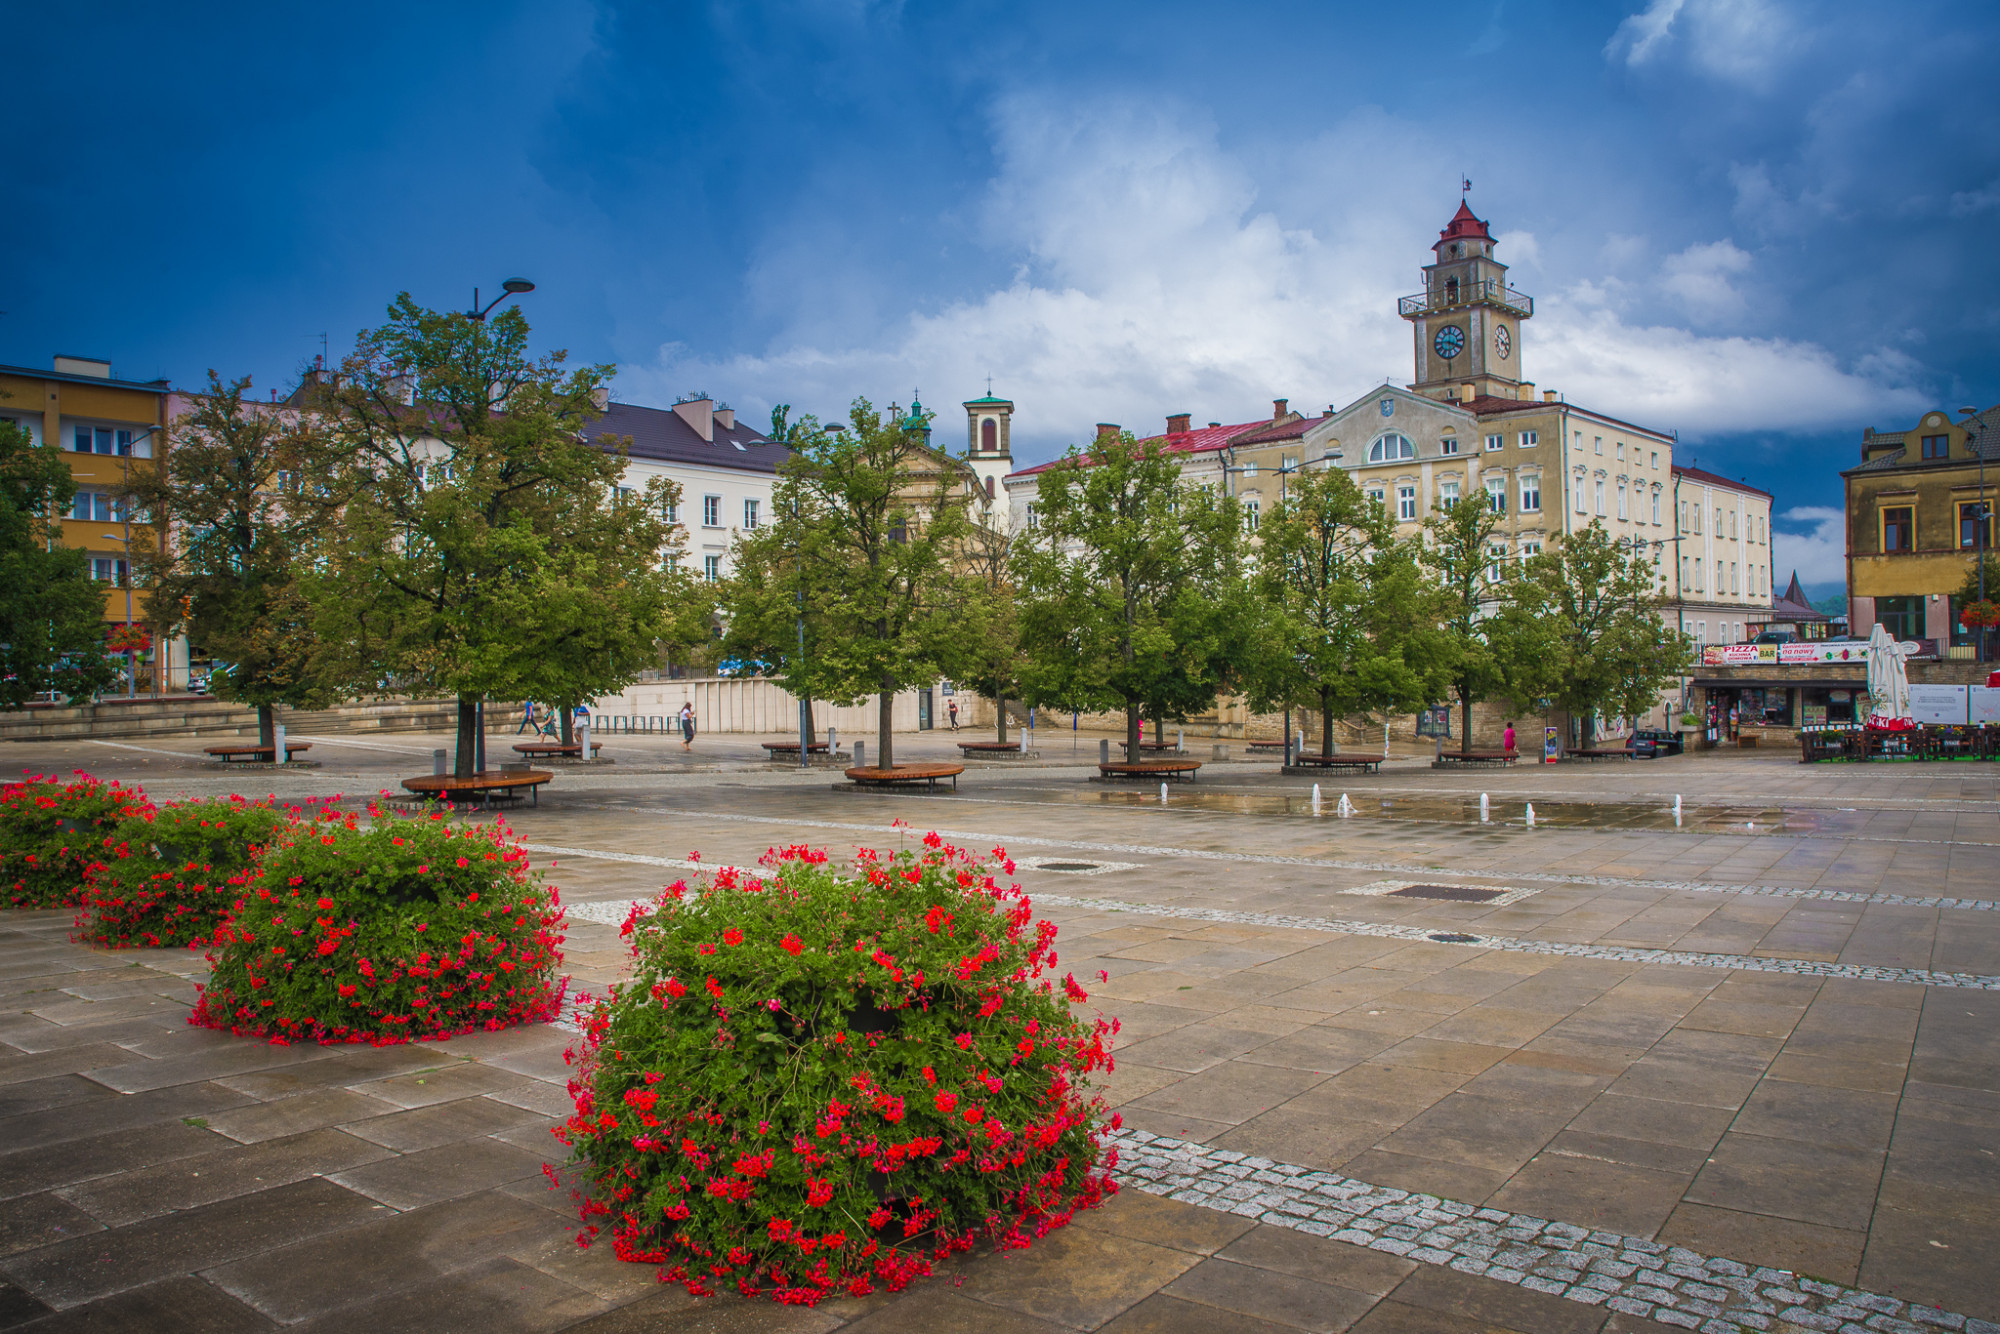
x=1490 y=292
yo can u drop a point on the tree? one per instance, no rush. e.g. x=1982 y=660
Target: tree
x=1350 y=626
x=1590 y=605
x=1131 y=592
x=1456 y=552
x=51 y=611
x=987 y=652
x=233 y=490
x=861 y=549
x=483 y=547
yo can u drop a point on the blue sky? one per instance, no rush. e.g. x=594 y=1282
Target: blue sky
x=1762 y=223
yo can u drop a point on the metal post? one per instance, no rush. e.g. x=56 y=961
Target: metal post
x=479 y=735
x=805 y=703
x=1288 y=737
x=278 y=742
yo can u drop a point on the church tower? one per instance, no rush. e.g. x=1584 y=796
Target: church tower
x=987 y=447
x=1467 y=320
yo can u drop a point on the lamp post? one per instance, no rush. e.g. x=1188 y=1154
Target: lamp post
x=1982 y=511
x=477 y=315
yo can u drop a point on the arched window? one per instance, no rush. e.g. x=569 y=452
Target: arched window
x=1391 y=448
x=989 y=434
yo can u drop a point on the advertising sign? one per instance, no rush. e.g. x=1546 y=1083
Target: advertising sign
x=1552 y=746
x=1797 y=654
x=1435 y=721
x=1938 y=704
x=1984 y=704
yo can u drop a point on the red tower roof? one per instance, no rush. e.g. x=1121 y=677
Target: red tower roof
x=1463 y=224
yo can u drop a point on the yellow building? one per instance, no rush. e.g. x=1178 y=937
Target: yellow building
x=1917 y=514
x=105 y=427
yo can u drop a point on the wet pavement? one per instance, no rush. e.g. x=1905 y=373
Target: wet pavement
x=1281 y=998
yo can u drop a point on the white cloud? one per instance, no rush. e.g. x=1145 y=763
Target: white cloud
x=1733 y=40
x=1157 y=274
x=1701 y=278
x=1816 y=548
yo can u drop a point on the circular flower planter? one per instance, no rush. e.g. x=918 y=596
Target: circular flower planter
x=51 y=832
x=170 y=877
x=818 y=1082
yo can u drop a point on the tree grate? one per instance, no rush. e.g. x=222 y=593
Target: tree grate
x=1448 y=893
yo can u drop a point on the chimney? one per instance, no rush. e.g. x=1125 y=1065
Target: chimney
x=1106 y=432
x=698 y=413
x=600 y=397
x=1277 y=409
x=725 y=416
x=1548 y=396
x=95 y=367
x=1328 y=413
x=1178 y=423
x=1467 y=393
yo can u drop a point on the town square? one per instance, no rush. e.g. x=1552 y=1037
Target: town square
x=812 y=666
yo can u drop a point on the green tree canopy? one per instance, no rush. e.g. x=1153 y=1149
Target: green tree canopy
x=51 y=611
x=484 y=547
x=1458 y=553
x=233 y=488
x=1132 y=596
x=1351 y=625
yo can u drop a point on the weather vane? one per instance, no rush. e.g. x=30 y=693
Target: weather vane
x=1464 y=186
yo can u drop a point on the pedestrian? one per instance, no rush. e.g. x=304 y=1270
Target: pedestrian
x=687 y=726
x=954 y=715
x=1507 y=739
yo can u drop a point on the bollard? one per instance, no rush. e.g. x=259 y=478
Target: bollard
x=1103 y=751
x=583 y=738
x=861 y=754
x=833 y=740
x=1221 y=751
x=437 y=763
x=277 y=743
x=1180 y=741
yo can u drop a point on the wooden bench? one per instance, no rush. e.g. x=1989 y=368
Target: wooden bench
x=507 y=782
x=972 y=750
x=927 y=774
x=1594 y=753
x=1371 y=763
x=1480 y=756
x=1171 y=770
x=1155 y=747
x=773 y=749
x=542 y=749
x=236 y=754
x=1265 y=745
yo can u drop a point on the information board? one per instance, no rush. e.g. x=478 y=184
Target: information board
x=1938 y=704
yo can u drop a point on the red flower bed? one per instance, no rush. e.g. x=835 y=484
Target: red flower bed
x=411 y=929
x=817 y=1082
x=170 y=877
x=51 y=832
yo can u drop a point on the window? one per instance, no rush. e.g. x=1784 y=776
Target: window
x=1496 y=442
x=673 y=511
x=622 y=495
x=1733 y=516
x=1656 y=460
x=1899 y=529
x=989 y=433
x=1391 y=448
x=107 y=569
x=1375 y=495
x=1937 y=446
x=1448 y=493
x=1735 y=583
x=1034 y=516
x=1597 y=444
x=1902 y=617
x=1623 y=512
x=1406 y=502
x=749 y=514
x=1685 y=583
x=1700 y=569
x=711 y=568
x=1530 y=550
x=102 y=440
x=1496 y=562
x=1697 y=518
x=1656 y=507
x=1969 y=526
x=1579 y=495
x=1250 y=470
x=1621 y=451
x=711 y=511
x=1448 y=445
x=1529 y=439
x=1251 y=514
x=1496 y=494
x=1718 y=521
x=1531 y=494
x=1600 y=497
x=98 y=507
x=1289 y=462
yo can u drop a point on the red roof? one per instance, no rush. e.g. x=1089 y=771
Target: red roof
x=1276 y=431
x=1463 y=224
x=1205 y=440
x=1716 y=479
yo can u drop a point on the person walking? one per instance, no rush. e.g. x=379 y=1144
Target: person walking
x=687 y=726
x=1507 y=739
x=954 y=715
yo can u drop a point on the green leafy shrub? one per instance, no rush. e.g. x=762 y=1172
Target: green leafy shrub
x=170 y=876
x=817 y=1081
x=51 y=832
x=411 y=928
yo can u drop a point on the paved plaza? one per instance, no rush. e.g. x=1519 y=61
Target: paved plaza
x=1732 y=1068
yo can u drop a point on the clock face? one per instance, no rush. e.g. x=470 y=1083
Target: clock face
x=1449 y=342
x=1503 y=342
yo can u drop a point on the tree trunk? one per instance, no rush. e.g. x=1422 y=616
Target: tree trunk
x=1159 y=731
x=267 y=726
x=885 y=744
x=1135 y=731
x=1589 y=726
x=1326 y=722
x=811 y=724
x=1000 y=717
x=1464 y=722
x=568 y=712
x=465 y=762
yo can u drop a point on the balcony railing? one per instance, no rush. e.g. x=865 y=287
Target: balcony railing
x=1490 y=292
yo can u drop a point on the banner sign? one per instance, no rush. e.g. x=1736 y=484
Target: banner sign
x=1824 y=651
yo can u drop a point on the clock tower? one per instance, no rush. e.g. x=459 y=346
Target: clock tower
x=1467 y=320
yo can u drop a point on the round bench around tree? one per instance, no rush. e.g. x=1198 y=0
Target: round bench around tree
x=1171 y=770
x=507 y=782
x=927 y=774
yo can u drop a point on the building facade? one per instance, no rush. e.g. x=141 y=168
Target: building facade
x=1918 y=514
x=106 y=427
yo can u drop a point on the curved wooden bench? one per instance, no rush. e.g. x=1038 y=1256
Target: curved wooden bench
x=927 y=774
x=974 y=749
x=1172 y=770
x=509 y=782
x=233 y=754
x=1156 y=747
x=1314 y=760
x=572 y=751
x=1265 y=745
x=1480 y=756
x=777 y=748
x=1594 y=753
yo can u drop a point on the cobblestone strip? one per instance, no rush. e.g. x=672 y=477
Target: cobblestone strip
x=1451 y=936
x=1397 y=868
x=1669 y=1284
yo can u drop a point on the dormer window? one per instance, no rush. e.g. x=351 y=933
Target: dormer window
x=1937 y=446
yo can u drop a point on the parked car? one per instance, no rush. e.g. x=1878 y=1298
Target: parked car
x=1663 y=742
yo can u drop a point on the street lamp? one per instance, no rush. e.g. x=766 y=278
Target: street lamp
x=512 y=287
x=1981 y=510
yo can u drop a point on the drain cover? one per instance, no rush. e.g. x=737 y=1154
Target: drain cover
x=1448 y=893
x=1452 y=938
x=1066 y=866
